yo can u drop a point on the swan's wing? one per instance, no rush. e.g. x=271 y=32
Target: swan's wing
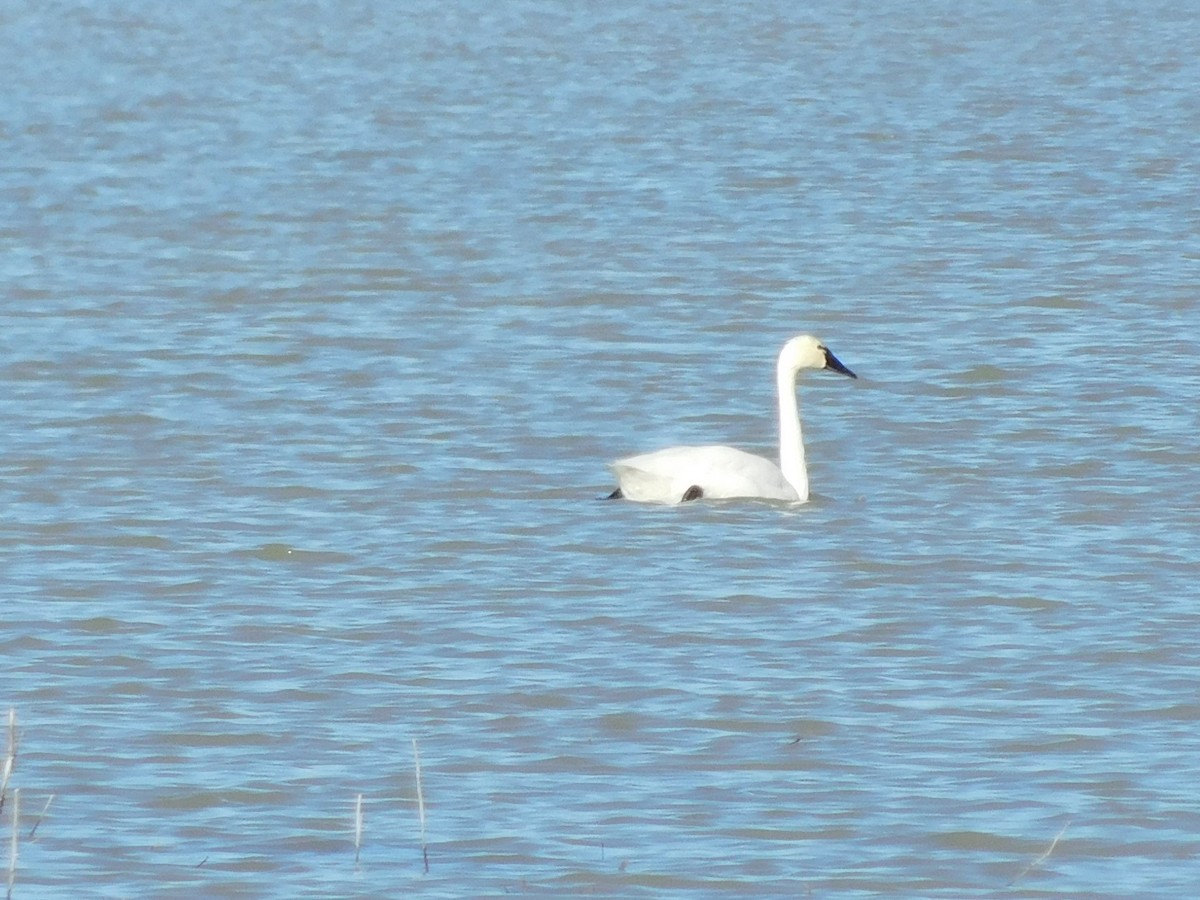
x=720 y=472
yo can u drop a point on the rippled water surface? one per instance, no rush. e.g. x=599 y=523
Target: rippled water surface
x=321 y=322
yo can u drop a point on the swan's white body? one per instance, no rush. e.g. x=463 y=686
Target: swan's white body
x=688 y=473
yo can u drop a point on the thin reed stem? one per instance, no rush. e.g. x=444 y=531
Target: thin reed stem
x=12 y=850
x=10 y=758
x=42 y=815
x=1041 y=859
x=358 y=826
x=420 y=804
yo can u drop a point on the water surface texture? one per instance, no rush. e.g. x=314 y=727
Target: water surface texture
x=320 y=323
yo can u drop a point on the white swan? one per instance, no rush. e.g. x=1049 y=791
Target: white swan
x=689 y=473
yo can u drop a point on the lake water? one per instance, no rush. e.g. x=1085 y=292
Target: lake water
x=321 y=323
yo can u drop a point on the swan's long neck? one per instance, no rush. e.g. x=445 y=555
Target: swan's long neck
x=791 y=441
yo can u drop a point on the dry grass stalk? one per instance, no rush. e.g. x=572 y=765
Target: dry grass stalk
x=10 y=758
x=420 y=804
x=358 y=826
x=42 y=815
x=1041 y=859
x=12 y=851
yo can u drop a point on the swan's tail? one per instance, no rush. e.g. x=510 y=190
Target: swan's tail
x=643 y=486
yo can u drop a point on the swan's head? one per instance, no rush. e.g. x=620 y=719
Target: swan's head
x=806 y=352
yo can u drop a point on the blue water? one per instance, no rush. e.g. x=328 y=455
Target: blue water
x=321 y=323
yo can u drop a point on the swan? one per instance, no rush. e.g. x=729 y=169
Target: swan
x=679 y=474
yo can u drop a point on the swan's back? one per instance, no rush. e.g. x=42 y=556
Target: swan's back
x=721 y=473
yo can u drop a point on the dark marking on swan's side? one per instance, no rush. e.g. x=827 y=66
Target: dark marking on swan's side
x=695 y=492
x=615 y=495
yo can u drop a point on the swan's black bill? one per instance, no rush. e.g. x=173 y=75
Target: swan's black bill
x=832 y=362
